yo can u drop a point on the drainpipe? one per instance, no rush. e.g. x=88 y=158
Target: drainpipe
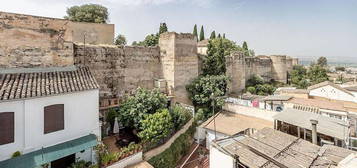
x=314 y=131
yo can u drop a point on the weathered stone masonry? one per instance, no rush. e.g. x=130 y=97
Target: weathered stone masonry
x=31 y=41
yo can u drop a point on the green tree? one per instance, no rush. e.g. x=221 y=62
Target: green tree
x=246 y=49
x=203 y=89
x=156 y=126
x=195 y=31
x=120 y=40
x=224 y=35
x=317 y=74
x=134 y=43
x=213 y=35
x=297 y=75
x=150 y=40
x=245 y=46
x=92 y=13
x=255 y=80
x=322 y=61
x=214 y=63
x=251 y=89
x=202 y=34
x=137 y=107
x=219 y=35
x=163 y=28
x=180 y=116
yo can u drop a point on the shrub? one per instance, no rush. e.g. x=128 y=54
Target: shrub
x=138 y=107
x=180 y=116
x=16 y=154
x=251 y=89
x=156 y=126
x=180 y=147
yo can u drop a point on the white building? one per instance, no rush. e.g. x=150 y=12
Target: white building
x=332 y=91
x=272 y=148
x=225 y=124
x=49 y=115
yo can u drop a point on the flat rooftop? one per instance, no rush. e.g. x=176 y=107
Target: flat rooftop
x=271 y=148
x=232 y=123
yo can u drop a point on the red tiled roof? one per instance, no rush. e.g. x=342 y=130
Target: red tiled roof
x=39 y=84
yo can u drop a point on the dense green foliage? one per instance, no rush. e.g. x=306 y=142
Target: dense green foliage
x=150 y=40
x=138 y=107
x=120 y=40
x=153 y=39
x=163 y=28
x=16 y=154
x=156 y=126
x=317 y=74
x=180 y=116
x=322 y=61
x=256 y=85
x=215 y=62
x=93 y=13
x=302 y=78
x=195 y=31
x=213 y=35
x=170 y=157
x=206 y=92
x=202 y=34
x=298 y=76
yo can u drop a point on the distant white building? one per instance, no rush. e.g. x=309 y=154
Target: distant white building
x=332 y=91
x=50 y=115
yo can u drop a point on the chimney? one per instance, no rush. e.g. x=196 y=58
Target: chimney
x=314 y=131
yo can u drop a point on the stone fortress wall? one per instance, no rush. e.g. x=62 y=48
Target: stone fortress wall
x=240 y=68
x=32 y=41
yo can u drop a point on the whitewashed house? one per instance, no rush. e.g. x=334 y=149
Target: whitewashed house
x=49 y=115
x=331 y=91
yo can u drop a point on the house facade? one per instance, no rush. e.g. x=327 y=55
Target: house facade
x=49 y=115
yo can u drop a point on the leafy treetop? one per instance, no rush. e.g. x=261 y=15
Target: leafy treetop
x=92 y=13
x=136 y=108
x=156 y=126
x=120 y=40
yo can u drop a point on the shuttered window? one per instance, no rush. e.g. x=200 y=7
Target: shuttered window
x=53 y=118
x=6 y=127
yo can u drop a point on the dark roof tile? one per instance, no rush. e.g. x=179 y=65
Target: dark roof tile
x=38 y=84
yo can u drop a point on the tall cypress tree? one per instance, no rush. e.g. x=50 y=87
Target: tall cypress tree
x=202 y=34
x=213 y=35
x=163 y=28
x=245 y=46
x=224 y=35
x=219 y=35
x=195 y=31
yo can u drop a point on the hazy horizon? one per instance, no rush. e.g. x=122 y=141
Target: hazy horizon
x=303 y=29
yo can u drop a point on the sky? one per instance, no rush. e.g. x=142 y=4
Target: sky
x=306 y=29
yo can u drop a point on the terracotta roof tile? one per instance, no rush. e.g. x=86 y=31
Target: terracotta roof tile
x=36 y=84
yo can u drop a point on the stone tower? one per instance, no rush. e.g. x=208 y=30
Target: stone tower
x=279 y=68
x=236 y=72
x=179 y=61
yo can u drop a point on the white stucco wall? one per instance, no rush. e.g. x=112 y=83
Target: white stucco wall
x=332 y=93
x=210 y=136
x=250 y=111
x=218 y=159
x=81 y=113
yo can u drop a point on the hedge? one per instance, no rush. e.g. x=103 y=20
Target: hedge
x=179 y=148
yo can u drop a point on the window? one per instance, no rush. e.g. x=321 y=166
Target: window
x=53 y=118
x=6 y=127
